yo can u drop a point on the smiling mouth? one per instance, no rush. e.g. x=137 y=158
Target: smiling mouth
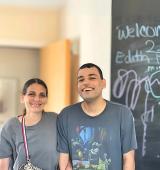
x=36 y=105
x=87 y=89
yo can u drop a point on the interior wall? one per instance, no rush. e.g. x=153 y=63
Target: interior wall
x=29 y=27
x=90 y=22
x=20 y=64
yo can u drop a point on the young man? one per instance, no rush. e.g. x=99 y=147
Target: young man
x=95 y=133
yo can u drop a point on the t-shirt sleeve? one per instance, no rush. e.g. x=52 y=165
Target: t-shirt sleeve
x=5 y=145
x=128 y=136
x=62 y=139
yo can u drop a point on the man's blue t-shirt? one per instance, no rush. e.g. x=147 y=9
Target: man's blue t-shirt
x=96 y=142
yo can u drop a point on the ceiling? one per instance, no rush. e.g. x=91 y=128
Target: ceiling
x=34 y=3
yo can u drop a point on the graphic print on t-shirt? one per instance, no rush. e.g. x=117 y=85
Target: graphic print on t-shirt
x=88 y=149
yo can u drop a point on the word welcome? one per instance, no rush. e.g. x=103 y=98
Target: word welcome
x=137 y=31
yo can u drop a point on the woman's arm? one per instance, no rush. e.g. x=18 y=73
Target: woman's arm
x=4 y=163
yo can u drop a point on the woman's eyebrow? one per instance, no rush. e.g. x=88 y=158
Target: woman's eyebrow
x=31 y=91
x=79 y=77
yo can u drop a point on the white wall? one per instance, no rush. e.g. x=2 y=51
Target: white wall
x=90 y=21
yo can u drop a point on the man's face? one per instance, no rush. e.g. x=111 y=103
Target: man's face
x=90 y=85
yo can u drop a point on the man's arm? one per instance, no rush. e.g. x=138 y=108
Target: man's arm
x=129 y=160
x=64 y=162
x=4 y=163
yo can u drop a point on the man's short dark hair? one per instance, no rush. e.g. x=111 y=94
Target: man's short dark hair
x=90 y=65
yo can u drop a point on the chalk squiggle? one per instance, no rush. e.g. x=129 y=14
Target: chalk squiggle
x=130 y=85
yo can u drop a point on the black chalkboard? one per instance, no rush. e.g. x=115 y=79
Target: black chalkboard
x=135 y=74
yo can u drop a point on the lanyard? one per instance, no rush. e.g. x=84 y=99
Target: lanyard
x=25 y=138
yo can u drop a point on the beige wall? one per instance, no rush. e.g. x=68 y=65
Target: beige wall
x=19 y=64
x=29 y=27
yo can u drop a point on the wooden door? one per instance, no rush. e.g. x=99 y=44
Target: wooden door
x=55 y=66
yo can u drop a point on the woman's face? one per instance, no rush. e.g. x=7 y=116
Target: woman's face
x=35 y=98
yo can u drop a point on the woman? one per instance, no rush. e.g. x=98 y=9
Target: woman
x=39 y=128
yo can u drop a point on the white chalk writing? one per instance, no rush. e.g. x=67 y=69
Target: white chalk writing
x=138 y=56
x=129 y=84
x=137 y=31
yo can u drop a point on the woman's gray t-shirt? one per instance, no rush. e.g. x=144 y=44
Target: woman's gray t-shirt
x=41 y=140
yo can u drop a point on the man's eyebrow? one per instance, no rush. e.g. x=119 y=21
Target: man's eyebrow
x=92 y=74
x=79 y=77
